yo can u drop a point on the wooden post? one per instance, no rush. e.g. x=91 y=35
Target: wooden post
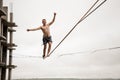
x=10 y=50
x=0 y=35
x=0 y=42
x=11 y=24
x=3 y=39
x=1 y=4
x=4 y=50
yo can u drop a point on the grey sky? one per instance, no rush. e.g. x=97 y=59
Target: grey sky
x=98 y=31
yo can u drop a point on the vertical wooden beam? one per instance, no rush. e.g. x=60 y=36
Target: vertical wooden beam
x=4 y=50
x=0 y=41
x=10 y=51
x=0 y=34
x=1 y=4
x=11 y=25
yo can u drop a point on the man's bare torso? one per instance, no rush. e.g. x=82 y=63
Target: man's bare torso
x=46 y=30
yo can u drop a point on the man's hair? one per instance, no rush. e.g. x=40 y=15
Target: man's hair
x=43 y=19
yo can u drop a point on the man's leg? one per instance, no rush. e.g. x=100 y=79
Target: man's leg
x=44 y=50
x=49 y=48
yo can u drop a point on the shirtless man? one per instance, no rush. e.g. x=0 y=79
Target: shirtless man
x=46 y=35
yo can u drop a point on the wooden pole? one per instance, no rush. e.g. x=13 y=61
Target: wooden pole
x=0 y=33
x=0 y=42
x=10 y=51
x=4 y=50
x=11 y=45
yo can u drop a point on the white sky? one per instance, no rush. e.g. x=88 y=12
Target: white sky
x=98 y=31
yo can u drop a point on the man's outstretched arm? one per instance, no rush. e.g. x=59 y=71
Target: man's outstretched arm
x=53 y=19
x=34 y=29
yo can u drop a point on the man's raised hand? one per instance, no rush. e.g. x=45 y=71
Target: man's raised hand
x=54 y=13
x=28 y=30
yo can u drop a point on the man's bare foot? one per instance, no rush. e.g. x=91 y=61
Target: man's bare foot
x=44 y=56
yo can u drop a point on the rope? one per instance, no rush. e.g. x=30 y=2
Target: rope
x=25 y=56
x=67 y=54
x=94 y=9
x=93 y=51
x=84 y=17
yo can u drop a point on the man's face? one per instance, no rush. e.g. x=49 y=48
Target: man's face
x=44 y=21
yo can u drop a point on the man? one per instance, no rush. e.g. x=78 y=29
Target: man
x=47 y=39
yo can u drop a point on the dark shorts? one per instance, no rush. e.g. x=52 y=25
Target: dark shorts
x=47 y=40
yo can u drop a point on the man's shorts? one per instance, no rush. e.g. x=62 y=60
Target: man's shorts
x=47 y=40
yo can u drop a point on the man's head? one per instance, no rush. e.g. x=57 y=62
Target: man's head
x=44 y=21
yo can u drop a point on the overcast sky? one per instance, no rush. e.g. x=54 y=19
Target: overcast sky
x=101 y=30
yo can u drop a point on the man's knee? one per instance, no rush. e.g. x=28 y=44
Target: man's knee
x=45 y=46
x=50 y=44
